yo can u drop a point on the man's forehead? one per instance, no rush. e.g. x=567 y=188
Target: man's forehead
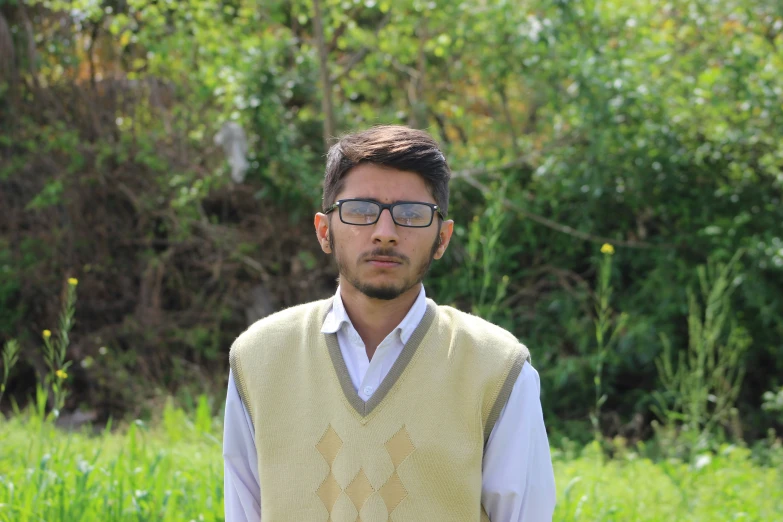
x=368 y=181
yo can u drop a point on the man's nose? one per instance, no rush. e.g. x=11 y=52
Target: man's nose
x=385 y=230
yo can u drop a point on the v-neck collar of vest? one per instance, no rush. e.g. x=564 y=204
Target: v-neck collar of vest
x=395 y=372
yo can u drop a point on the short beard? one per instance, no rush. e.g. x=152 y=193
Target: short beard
x=384 y=293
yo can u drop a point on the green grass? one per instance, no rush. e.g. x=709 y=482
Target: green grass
x=718 y=487
x=166 y=474
x=174 y=472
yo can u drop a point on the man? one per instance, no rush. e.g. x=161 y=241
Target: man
x=377 y=404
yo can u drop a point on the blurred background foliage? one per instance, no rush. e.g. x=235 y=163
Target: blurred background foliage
x=654 y=126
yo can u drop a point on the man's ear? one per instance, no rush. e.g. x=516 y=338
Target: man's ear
x=444 y=237
x=322 y=231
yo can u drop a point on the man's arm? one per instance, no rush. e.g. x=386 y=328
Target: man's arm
x=518 y=483
x=241 y=487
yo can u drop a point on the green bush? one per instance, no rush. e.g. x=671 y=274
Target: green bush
x=570 y=124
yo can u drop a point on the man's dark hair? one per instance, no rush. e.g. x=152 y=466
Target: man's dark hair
x=393 y=146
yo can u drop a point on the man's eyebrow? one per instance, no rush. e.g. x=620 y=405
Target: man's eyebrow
x=367 y=198
x=395 y=201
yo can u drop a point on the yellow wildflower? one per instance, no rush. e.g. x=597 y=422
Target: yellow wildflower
x=47 y=334
x=61 y=374
x=607 y=249
x=73 y=281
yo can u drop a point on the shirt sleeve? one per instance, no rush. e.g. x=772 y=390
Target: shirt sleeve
x=518 y=482
x=240 y=463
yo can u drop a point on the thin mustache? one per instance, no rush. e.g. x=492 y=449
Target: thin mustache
x=379 y=252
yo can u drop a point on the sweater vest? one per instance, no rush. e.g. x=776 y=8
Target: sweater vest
x=412 y=452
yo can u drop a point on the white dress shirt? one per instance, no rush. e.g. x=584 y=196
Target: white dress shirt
x=518 y=483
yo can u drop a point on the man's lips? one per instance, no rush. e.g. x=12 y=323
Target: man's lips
x=387 y=262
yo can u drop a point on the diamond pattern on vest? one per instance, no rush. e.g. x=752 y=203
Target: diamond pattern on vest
x=399 y=447
x=329 y=490
x=329 y=445
x=393 y=491
x=359 y=490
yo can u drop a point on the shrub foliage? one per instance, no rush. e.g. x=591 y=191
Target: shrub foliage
x=653 y=127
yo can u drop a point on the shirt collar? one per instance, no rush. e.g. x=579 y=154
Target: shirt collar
x=337 y=316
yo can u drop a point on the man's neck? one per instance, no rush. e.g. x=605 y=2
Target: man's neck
x=374 y=319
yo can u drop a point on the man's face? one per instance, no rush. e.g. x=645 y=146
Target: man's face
x=384 y=260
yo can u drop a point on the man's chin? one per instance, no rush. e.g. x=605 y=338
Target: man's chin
x=384 y=293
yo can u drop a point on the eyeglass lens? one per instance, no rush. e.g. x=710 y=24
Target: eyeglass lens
x=404 y=214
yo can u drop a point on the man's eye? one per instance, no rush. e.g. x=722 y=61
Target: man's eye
x=411 y=212
x=364 y=210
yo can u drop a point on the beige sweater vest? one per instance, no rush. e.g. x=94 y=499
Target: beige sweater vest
x=413 y=452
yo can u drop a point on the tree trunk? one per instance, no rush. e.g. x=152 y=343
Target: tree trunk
x=7 y=54
x=418 y=117
x=509 y=120
x=326 y=82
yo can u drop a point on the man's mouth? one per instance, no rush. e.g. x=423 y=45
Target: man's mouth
x=384 y=261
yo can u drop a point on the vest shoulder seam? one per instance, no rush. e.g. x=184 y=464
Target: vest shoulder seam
x=504 y=393
x=241 y=383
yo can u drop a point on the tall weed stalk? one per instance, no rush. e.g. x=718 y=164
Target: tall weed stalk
x=607 y=326
x=54 y=351
x=700 y=384
x=10 y=356
x=484 y=261
x=52 y=388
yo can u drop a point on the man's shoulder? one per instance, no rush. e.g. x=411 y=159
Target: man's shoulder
x=279 y=325
x=474 y=325
x=478 y=332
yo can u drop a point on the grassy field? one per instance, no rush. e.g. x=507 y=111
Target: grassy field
x=174 y=472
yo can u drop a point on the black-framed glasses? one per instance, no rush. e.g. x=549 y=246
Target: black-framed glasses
x=362 y=212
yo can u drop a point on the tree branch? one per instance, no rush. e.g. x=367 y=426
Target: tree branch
x=468 y=176
x=359 y=55
x=479 y=171
x=335 y=36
